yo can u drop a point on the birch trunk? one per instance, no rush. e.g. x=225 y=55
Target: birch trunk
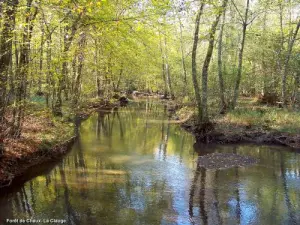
x=205 y=118
x=241 y=54
x=194 y=63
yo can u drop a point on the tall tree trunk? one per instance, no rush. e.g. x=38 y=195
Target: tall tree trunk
x=265 y=80
x=6 y=41
x=68 y=39
x=194 y=63
x=297 y=90
x=281 y=47
x=120 y=77
x=241 y=53
x=82 y=43
x=286 y=63
x=205 y=118
x=168 y=71
x=220 y=66
x=164 y=77
x=23 y=67
x=13 y=80
x=98 y=75
x=74 y=71
x=49 y=72
x=183 y=59
x=41 y=59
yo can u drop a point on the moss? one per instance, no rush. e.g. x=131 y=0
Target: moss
x=45 y=145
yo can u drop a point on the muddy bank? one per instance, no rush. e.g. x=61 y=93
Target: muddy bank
x=227 y=133
x=86 y=110
x=43 y=139
x=13 y=168
x=225 y=161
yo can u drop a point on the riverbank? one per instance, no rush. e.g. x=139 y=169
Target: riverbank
x=43 y=138
x=251 y=122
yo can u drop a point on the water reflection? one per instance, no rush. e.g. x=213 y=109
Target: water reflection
x=260 y=194
x=132 y=166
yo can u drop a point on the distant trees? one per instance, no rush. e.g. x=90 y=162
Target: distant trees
x=291 y=43
x=45 y=51
x=203 y=103
x=65 y=52
x=258 y=65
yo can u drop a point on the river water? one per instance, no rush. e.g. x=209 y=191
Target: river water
x=134 y=167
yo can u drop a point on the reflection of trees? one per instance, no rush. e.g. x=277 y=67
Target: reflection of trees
x=120 y=125
x=6 y=208
x=104 y=124
x=146 y=123
x=292 y=218
x=18 y=202
x=216 y=196
x=100 y=126
x=149 y=200
x=32 y=194
x=199 y=172
x=80 y=168
x=165 y=133
x=237 y=191
x=237 y=195
x=192 y=192
x=203 y=212
x=275 y=191
x=72 y=217
x=25 y=203
x=202 y=149
x=80 y=188
x=182 y=147
x=209 y=206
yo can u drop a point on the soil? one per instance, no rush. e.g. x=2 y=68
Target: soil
x=233 y=134
x=13 y=167
x=225 y=161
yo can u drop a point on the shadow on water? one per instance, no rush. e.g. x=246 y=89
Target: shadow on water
x=133 y=167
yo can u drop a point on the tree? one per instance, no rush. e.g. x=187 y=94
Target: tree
x=194 y=63
x=286 y=62
x=220 y=66
x=245 y=24
x=31 y=12
x=68 y=38
x=6 y=42
x=204 y=114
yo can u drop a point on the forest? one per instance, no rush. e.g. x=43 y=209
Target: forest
x=115 y=103
x=61 y=53
x=228 y=62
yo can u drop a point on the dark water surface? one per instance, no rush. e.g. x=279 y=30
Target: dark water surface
x=133 y=167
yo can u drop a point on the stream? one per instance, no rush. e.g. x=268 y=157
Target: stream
x=133 y=167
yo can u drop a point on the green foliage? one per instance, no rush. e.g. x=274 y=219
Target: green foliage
x=127 y=43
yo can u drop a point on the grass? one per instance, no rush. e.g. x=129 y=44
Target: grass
x=250 y=121
x=264 y=117
x=249 y=116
